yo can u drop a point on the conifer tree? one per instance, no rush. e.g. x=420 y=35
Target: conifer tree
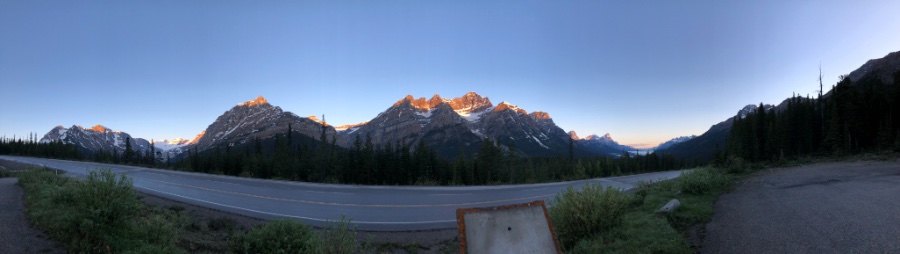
x=129 y=153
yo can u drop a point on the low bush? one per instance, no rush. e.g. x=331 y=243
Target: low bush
x=280 y=236
x=702 y=180
x=340 y=237
x=99 y=214
x=735 y=165
x=593 y=210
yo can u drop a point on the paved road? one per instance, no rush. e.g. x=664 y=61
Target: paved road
x=847 y=207
x=378 y=208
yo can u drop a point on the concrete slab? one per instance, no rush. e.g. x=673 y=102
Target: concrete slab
x=519 y=228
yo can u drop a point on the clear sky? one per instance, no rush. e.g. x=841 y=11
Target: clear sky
x=643 y=71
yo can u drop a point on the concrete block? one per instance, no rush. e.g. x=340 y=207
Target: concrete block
x=519 y=228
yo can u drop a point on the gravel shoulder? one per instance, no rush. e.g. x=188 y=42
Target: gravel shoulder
x=16 y=233
x=429 y=241
x=843 y=207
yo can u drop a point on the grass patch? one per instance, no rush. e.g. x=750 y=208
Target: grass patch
x=289 y=236
x=604 y=220
x=280 y=236
x=341 y=238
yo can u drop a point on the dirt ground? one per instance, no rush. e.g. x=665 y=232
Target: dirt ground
x=17 y=235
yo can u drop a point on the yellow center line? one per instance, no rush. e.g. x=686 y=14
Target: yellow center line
x=348 y=204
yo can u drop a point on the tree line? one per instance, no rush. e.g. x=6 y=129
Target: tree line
x=31 y=146
x=296 y=157
x=300 y=158
x=854 y=117
x=148 y=158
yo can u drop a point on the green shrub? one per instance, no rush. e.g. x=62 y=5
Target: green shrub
x=158 y=228
x=99 y=214
x=280 y=236
x=582 y=214
x=736 y=165
x=702 y=180
x=340 y=238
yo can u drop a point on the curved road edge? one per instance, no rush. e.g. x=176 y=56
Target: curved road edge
x=373 y=208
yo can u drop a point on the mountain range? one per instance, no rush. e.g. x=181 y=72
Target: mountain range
x=449 y=126
x=95 y=139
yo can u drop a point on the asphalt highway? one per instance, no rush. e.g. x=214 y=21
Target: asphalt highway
x=373 y=208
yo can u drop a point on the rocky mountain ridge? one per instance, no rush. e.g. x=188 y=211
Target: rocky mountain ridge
x=459 y=124
x=95 y=139
x=256 y=119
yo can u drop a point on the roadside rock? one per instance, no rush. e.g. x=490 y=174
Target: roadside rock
x=670 y=207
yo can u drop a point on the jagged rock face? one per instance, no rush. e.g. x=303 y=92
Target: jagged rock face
x=95 y=139
x=532 y=134
x=252 y=119
x=410 y=121
x=573 y=135
x=471 y=101
x=459 y=124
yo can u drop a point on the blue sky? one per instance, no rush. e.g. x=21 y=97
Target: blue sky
x=643 y=71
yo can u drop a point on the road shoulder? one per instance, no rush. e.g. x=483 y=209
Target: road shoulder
x=17 y=235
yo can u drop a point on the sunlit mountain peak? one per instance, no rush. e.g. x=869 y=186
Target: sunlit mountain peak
x=258 y=101
x=194 y=141
x=98 y=128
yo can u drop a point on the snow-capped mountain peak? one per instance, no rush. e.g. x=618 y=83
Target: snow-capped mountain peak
x=167 y=145
x=605 y=137
x=95 y=139
x=674 y=141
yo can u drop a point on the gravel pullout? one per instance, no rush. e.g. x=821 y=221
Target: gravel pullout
x=16 y=233
x=845 y=207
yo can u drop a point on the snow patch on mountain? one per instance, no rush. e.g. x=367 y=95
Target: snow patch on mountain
x=166 y=144
x=472 y=116
x=426 y=114
x=539 y=142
